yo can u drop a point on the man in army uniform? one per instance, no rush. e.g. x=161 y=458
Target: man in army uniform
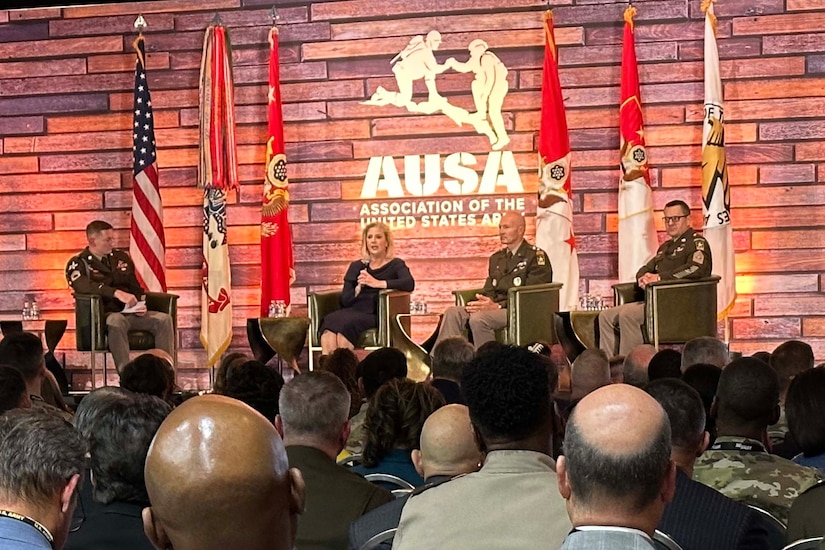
x=738 y=464
x=517 y=264
x=109 y=273
x=686 y=255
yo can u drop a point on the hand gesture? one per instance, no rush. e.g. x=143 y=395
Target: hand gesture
x=481 y=303
x=648 y=278
x=365 y=279
x=126 y=298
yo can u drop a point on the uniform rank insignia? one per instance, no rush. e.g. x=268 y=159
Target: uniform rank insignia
x=698 y=257
x=121 y=265
x=540 y=259
x=74 y=276
x=700 y=245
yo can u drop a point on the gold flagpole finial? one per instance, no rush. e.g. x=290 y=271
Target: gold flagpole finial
x=629 y=14
x=707 y=5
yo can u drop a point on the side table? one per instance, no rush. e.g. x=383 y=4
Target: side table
x=577 y=331
x=419 y=362
x=284 y=336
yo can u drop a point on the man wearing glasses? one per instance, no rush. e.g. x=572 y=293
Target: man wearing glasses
x=686 y=255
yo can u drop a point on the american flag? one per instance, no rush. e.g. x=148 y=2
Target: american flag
x=147 y=244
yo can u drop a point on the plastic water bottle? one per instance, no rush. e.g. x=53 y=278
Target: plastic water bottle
x=27 y=311
x=34 y=311
x=272 y=309
x=280 y=308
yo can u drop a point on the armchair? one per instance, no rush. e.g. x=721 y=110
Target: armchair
x=390 y=303
x=90 y=326
x=675 y=310
x=529 y=312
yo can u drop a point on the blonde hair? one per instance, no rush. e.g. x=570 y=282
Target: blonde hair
x=365 y=255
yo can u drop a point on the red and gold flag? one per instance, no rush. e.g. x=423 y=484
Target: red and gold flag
x=277 y=263
x=217 y=174
x=637 y=231
x=554 y=213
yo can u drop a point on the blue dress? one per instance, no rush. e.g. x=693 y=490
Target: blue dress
x=358 y=313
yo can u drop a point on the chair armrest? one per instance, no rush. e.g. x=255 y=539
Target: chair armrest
x=679 y=310
x=390 y=304
x=465 y=295
x=164 y=303
x=530 y=311
x=320 y=304
x=625 y=293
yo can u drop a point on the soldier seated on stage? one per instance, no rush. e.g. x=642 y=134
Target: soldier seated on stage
x=110 y=274
x=517 y=264
x=686 y=255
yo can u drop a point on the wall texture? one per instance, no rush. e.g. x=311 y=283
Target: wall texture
x=65 y=101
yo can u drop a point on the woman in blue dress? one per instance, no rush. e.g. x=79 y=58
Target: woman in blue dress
x=376 y=270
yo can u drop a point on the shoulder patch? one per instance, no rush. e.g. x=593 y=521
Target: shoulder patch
x=699 y=243
x=699 y=257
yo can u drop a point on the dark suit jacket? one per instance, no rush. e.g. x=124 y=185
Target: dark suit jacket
x=701 y=518
x=335 y=497
x=117 y=525
x=384 y=517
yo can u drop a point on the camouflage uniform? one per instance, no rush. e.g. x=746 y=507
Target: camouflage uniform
x=741 y=469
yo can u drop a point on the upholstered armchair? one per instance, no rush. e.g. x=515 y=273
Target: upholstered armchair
x=390 y=303
x=90 y=326
x=675 y=310
x=530 y=312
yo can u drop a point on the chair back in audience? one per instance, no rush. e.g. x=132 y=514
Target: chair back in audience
x=382 y=538
x=769 y=518
x=397 y=486
x=663 y=541
x=350 y=461
x=813 y=543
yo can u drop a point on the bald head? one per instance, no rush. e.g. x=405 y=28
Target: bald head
x=636 y=363
x=448 y=447
x=616 y=468
x=511 y=229
x=217 y=477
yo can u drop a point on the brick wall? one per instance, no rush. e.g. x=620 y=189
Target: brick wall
x=65 y=102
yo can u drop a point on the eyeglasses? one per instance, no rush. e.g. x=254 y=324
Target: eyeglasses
x=673 y=219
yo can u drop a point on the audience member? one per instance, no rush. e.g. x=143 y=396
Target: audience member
x=228 y=361
x=704 y=349
x=119 y=426
x=217 y=477
x=41 y=472
x=24 y=351
x=448 y=449
x=616 y=474
x=806 y=417
x=665 y=364
x=590 y=371
x=147 y=373
x=393 y=425
x=788 y=360
x=343 y=363
x=805 y=517
x=617 y=369
x=257 y=385
x=737 y=464
x=699 y=518
x=512 y=502
x=13 y=394
x=374 y=370
x=450 y=356
x=764 y=356
x=704 y=378
x=313 y=420
x=636 y=363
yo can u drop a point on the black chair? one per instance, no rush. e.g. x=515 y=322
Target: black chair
x=90 y=326
x=663 y=541
x=813 y=543
x=381 y=538
x=398 y=487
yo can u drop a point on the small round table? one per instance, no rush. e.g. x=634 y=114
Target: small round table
x=577 y=331
x=419 y=362
x=284 y=336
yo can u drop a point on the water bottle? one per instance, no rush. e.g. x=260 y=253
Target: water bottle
x=27 y=310
x=280 y=308
x=34 y=311
x=272 y=309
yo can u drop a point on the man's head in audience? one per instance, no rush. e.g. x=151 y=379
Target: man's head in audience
x=616 y=469
x=747 y=400
x=378 y=368
x=590 y=371
x=314 y=412
x=788 y=360
x=617 y=369
x=665 y=364
x=119 y=426
x=636 y=363
x=704 y=349
x=24 y=351
x=343 y=363
x=41 y=469
x=805 y=409
x=228 y=361
x=686 y=413
x=218 y=478
x=13 y=394
x=704 y=379
x=448 y=447
x=148 y=374
x=450 y=356
x=508 y=393
x=257 y=385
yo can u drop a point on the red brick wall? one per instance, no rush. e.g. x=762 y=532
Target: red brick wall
x=65 y=101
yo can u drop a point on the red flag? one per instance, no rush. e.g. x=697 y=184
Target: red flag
x=637 y=231
x=277 y=263
x=147 y=243
x=554 y=213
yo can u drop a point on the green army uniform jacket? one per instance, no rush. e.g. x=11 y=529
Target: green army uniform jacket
x=529 y=265
x=685 y=257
